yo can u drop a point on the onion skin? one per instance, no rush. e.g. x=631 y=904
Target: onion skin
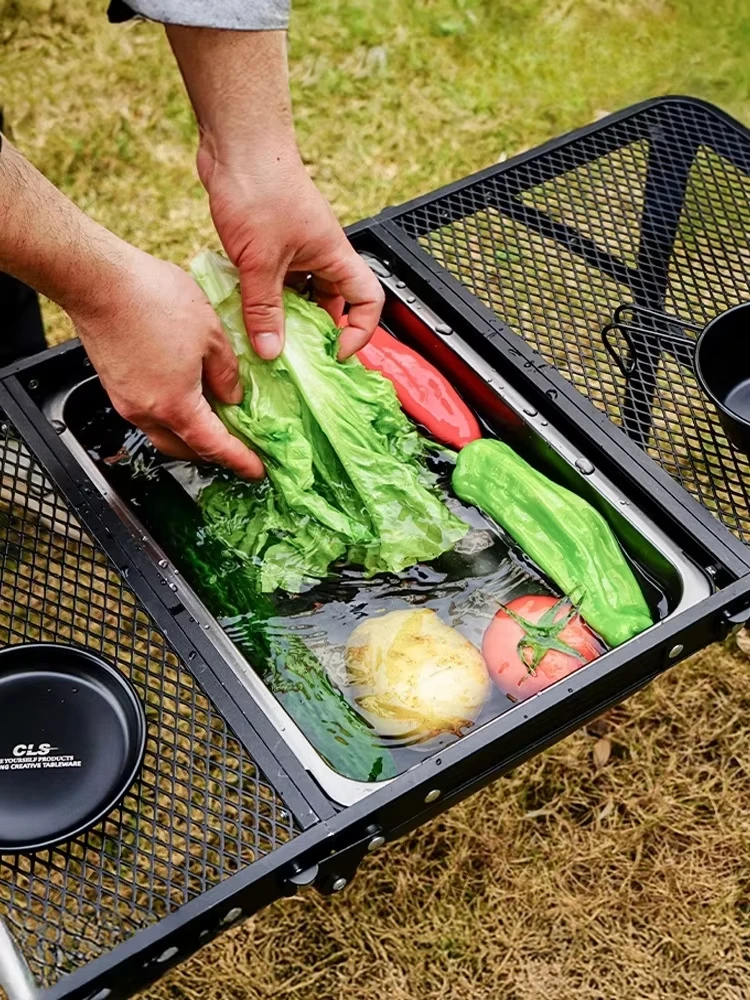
x=416 y=676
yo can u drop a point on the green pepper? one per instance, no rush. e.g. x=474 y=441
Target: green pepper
x=565 y=536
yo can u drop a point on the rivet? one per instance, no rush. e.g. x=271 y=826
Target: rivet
x=675 y=651
x=339 y=884
x=433 y=796
x=376 y=843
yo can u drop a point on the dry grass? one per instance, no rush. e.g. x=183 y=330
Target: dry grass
x=617 y=880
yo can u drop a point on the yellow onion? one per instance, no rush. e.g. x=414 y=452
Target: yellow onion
x=415 y=676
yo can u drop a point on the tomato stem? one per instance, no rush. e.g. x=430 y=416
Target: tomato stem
x=543 y=636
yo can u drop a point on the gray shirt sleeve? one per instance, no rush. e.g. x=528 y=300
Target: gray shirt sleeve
x=240 y=15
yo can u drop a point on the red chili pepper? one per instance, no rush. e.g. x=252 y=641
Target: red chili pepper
x=425 y=395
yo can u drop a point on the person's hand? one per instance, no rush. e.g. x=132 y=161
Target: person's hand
x=275 y=225
x=277 y=228
x=158 y=347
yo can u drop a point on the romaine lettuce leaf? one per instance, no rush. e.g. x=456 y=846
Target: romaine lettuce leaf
x=345 y=464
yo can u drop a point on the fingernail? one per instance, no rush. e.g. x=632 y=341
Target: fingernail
x=267 y=345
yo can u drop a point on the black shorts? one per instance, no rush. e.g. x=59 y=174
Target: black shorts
x=21 y=328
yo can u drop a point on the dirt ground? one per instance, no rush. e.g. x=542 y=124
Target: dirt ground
x=615 y=866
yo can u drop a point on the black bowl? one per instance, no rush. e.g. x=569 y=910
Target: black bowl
x=722 y=365
x=72 y=738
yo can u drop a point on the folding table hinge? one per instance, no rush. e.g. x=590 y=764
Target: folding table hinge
x=337 y=870
x=733 y=621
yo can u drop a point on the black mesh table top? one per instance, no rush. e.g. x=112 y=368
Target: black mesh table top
x=608 y=251
x=199 y=812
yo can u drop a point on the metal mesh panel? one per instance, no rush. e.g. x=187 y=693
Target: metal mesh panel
x=652 y=210
x=200 y=811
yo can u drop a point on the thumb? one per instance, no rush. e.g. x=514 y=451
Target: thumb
x=221 y=373
x=262 y=308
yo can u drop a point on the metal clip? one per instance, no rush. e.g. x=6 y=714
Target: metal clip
x=15 y=975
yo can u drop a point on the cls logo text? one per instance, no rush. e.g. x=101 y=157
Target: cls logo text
x=32 y=750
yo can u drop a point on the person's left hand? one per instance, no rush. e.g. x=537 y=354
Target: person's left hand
x=277 y=228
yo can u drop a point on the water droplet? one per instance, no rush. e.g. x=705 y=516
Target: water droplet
x=400 y=284
x=584 y=466
x=444 y=329
x=530 y=411
x=33 y=383
x=173 y=586
x=545 y=423
x=206 y=627
x=58 y=426
x=552 y=393
x=411 y=298
x=75 y=690
x=163 y=562
x=191 y=654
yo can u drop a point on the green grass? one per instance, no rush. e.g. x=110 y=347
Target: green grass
x=571 y=879
x=392 y=98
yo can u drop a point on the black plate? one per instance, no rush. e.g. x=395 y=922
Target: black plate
x=72 y=738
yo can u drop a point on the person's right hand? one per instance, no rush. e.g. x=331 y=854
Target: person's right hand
x=158 y=347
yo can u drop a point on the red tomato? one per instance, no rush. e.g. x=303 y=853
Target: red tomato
x=510 y=647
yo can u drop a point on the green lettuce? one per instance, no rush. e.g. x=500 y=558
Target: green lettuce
x=345 y=465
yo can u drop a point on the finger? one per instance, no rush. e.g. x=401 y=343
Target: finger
x=361 y=289
x=169 y=444
x=202 y=431
x=221 y=372
x=262 y=307
x=328 y=297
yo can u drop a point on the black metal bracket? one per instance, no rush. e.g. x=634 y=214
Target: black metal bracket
x=336 y=871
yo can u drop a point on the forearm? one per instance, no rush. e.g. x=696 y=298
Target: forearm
x=239 y=86
x=49 y=244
